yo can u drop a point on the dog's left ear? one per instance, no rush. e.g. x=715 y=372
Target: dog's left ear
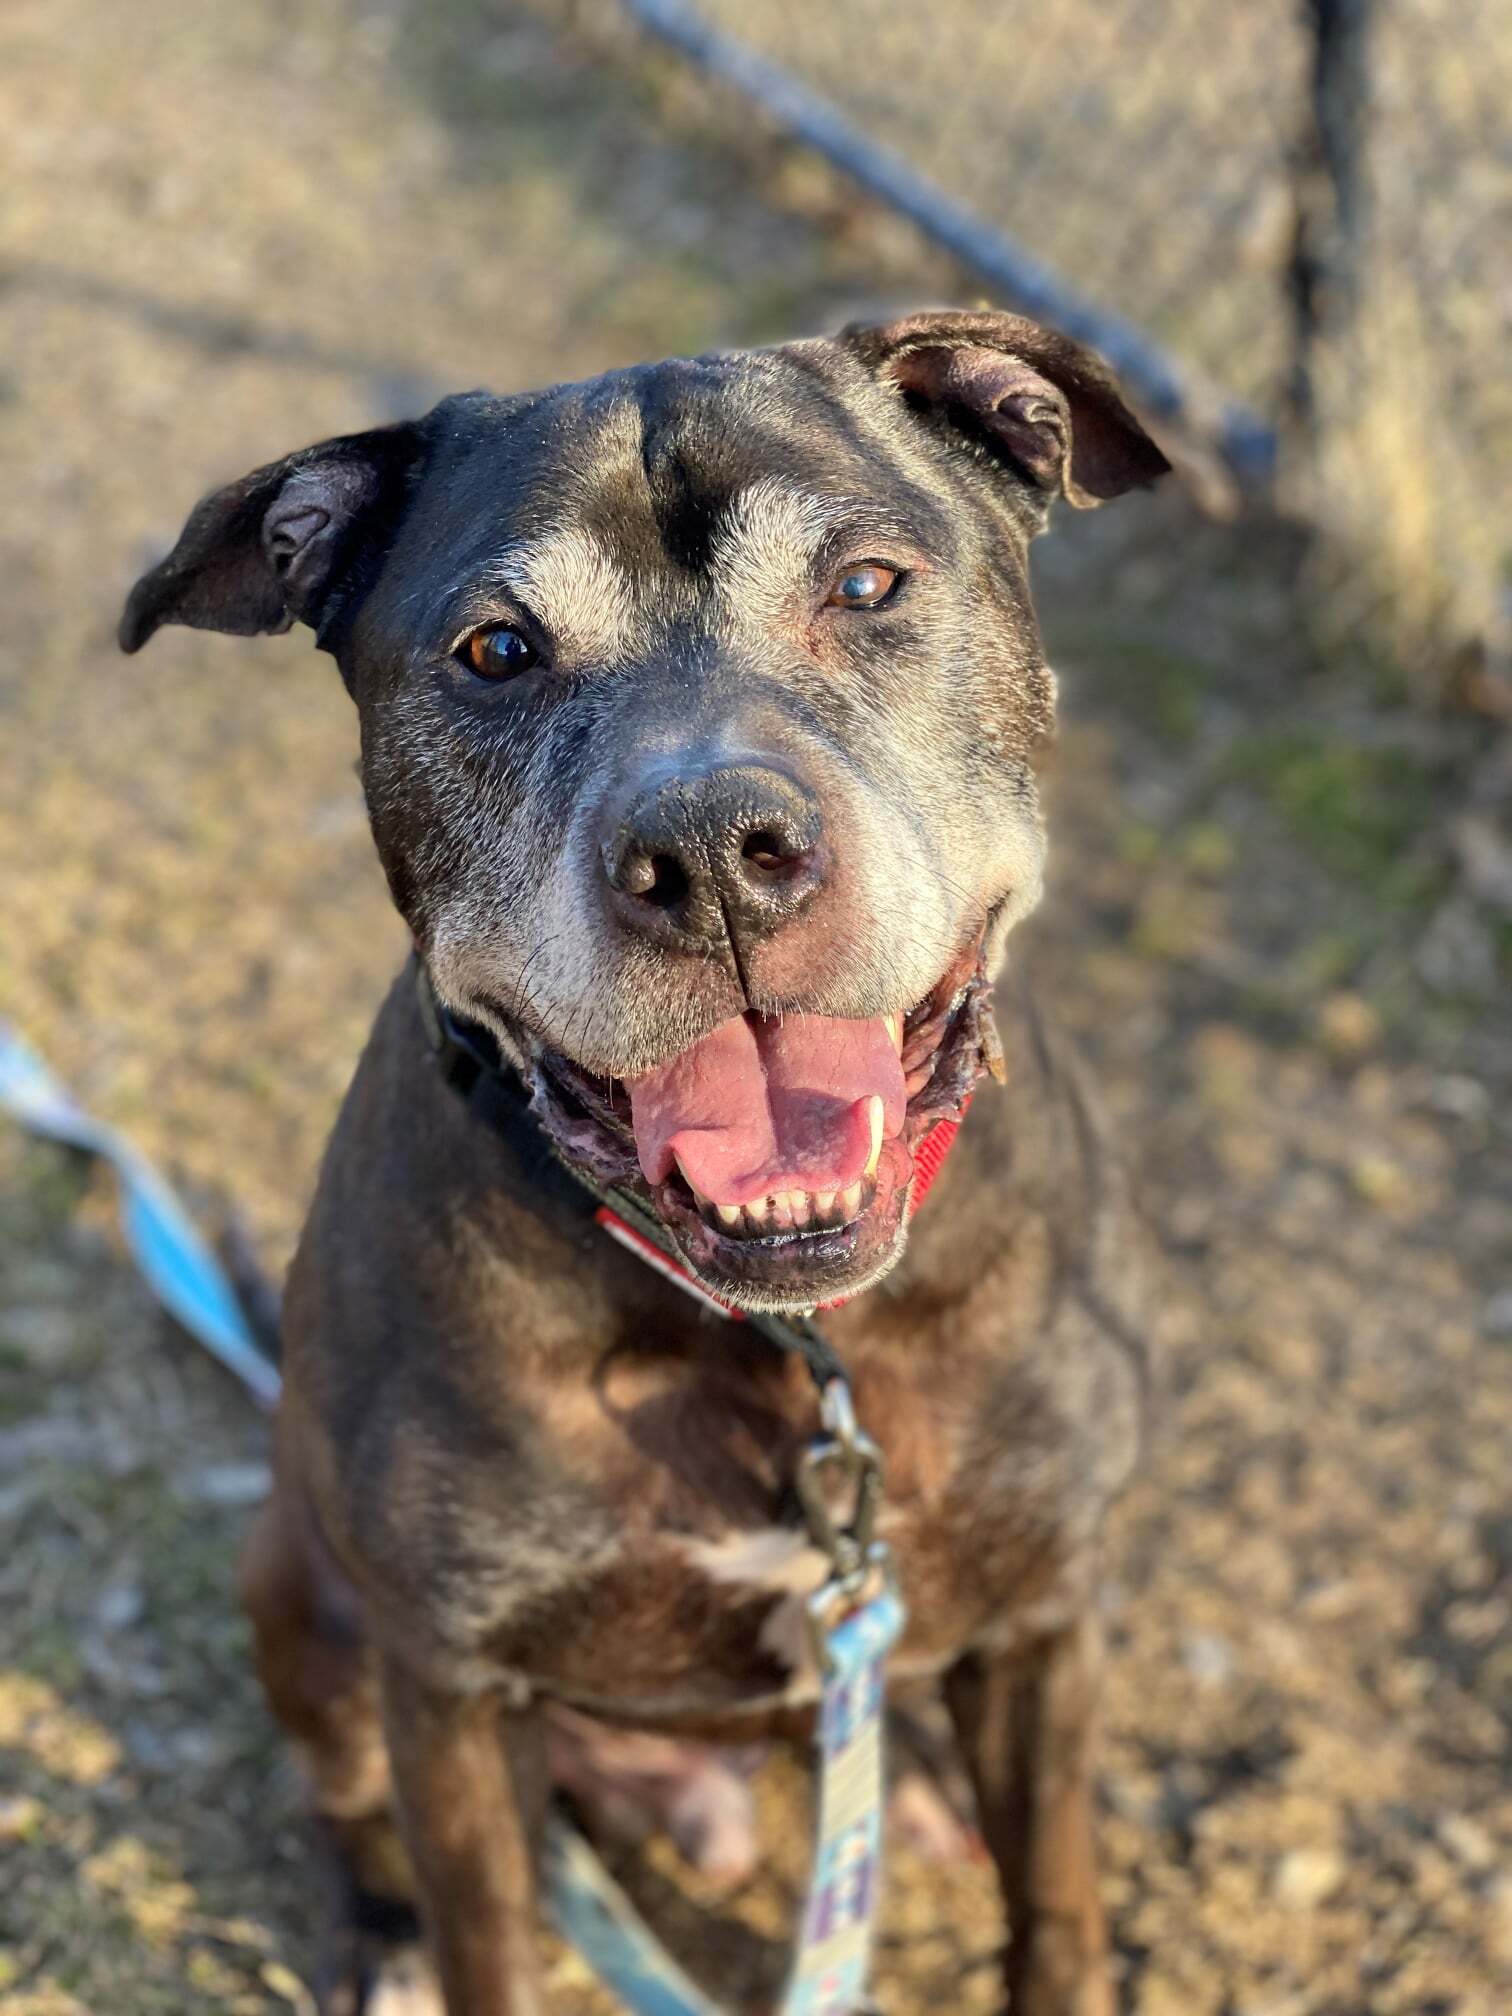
x=1032 y=397
x=272 y=549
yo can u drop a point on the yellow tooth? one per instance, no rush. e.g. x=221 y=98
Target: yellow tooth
x=698 y=1195
x=782 y=1211
x=894 y=1027
x=874 y=1120
x=802 y=1207
x=729 y=1214
x=824 y=1203
x=850 y=1202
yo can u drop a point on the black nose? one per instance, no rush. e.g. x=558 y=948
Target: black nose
x=731 y=852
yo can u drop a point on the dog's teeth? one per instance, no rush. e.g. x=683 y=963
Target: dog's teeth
x=875 y=1118
x=824 y=1203
x=698 y=1195
x=782 y=1210
x=894 y=1026
x=729 y=1214
x=850 y=1202
x=802 y=1207
x=755 y=1213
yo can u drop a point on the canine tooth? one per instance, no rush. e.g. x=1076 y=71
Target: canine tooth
x=875 y=1117
x=850 y=1201
x=824 y=1203
x=894 y=1027
x=729 y=1214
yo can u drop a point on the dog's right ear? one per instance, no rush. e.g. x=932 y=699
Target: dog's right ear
x=277 y=547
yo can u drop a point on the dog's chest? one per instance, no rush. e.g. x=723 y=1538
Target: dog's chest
x=700 y=1599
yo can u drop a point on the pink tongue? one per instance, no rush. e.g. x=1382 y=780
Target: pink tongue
x=760 y=1105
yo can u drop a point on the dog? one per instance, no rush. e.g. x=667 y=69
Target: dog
x=700 y=706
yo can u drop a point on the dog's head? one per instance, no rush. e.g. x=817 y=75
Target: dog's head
x=698 y=705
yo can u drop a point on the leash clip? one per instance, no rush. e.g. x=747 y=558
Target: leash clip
x=852 y=1455
x=856 y=1556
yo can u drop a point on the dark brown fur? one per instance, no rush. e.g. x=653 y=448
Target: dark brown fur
x=517 y=1470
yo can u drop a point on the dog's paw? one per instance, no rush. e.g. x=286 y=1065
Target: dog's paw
x=397 y=1981
x=403 y=1985
x=376 y=1964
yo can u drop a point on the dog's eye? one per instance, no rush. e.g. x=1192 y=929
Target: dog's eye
x=865 y=587
x=498 y=654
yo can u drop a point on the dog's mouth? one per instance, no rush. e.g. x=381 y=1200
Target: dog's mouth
x=779 y=1149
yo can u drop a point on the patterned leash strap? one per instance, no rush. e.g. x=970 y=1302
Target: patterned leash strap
x=174 y=1260
x=854 y=1617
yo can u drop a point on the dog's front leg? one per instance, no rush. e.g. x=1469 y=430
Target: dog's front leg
x=471 y=1784
x=1027 y=1726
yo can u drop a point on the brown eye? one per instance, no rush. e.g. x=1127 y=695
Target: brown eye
x=498 y=654
x=863 y=587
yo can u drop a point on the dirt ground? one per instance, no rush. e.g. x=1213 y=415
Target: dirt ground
x=230 y=230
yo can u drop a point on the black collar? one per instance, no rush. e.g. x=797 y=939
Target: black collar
x=470 y=1062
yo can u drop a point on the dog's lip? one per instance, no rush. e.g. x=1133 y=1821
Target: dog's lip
x=606 y=1096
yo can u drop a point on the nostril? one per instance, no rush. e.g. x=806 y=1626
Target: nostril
x=770 y=853
x=665 y=884
x=660 y=880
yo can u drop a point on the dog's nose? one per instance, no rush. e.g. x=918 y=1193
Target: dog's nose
x=732 y=851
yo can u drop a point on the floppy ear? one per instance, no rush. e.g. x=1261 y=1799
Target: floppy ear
x=1031 y=396
x=275 y=547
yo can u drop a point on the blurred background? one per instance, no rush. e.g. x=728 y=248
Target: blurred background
x=1280 y=909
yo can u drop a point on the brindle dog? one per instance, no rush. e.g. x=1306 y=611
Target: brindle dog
x=698 y=708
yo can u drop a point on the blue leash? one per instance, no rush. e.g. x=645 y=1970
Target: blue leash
x=176 y=1263
x=854 y=1618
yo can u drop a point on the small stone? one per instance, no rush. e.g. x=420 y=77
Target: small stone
x=1459 y=1097
x=1348 y=1026
x=1207 y=1657
x=1381 y=1182
x=287 y=1986
x=228 y=1484
x=20 y=1818
x=1308 y=1877
x=1163 y=1995
x=120 y=1605
x=1332 y=1600
x=1467 y=1840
